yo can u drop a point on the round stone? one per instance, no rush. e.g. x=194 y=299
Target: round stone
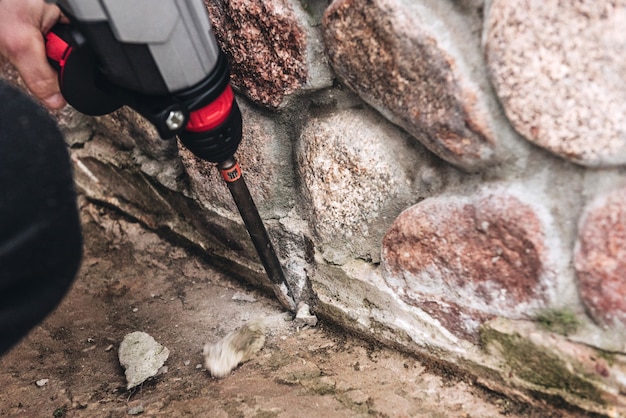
x=558 y=68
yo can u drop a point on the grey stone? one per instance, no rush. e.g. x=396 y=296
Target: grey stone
x=304 y=316
x=156 y=157
x=135 y=410
x=76 y=127
x=352 y=181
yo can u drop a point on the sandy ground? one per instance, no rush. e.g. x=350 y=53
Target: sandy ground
x=132 y=280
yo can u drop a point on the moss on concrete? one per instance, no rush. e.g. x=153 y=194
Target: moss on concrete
x=539 y=367
x=560 y=321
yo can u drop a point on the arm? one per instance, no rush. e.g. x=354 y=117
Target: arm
x=40 y=237
x=22 y=25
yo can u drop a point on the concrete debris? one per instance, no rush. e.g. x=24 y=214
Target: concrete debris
x=243 y=297
x=135 y=410
x=142 y=357
x=304 y=317
x=237 y=347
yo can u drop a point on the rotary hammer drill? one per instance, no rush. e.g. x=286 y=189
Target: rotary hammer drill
x=160 y=58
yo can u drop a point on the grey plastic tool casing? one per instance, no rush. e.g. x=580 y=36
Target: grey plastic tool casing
x=177 y=33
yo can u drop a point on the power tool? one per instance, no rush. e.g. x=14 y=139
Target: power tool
x=160 y=58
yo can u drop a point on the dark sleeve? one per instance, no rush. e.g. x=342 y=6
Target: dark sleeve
x=40 y=237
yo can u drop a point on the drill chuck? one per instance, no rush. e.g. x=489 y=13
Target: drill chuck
x=218 y=141
x=213 y=131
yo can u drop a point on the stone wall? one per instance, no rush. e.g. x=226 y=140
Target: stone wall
x=445 y=176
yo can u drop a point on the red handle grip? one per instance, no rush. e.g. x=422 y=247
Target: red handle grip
x=57 y=50
x=77 y=67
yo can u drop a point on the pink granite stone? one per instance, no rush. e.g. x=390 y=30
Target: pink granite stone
x=465 y=260
x=600 y=258
x=265 y=44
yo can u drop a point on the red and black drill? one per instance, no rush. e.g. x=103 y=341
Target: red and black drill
x=160 y=58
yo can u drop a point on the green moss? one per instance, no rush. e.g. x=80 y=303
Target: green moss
x=563 y=322
x=539 y=367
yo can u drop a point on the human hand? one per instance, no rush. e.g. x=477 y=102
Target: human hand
x=22 y=26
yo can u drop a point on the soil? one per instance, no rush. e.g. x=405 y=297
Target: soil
x=132 y=280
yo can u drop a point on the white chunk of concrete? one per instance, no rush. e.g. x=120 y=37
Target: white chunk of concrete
x=141 y=356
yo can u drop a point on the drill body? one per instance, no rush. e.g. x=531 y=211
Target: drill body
x=158 y=57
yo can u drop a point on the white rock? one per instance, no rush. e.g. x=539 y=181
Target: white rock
x=243 y=297
x=135 y=410
x=141 y=356
x=304 y=316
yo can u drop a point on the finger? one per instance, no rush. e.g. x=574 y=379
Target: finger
x=51 y=14
x=36 y=72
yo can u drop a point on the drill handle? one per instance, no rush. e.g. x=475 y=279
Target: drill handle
x=82 y=85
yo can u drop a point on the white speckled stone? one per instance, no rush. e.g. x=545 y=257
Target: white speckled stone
x=351 y=179
x=558 y=68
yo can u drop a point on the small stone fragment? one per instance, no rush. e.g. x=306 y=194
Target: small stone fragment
x=141 y=356
x=243 y=297
x=42 y=382
x=237 y=347
x=304 y=316
x=136 y=410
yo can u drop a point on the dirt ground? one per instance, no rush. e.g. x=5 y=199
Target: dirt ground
x=131 y=280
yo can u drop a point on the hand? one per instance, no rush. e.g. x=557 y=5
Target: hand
x=22 y=26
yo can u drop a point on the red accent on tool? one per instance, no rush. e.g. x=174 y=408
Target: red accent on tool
x=56 y=48
x=58 y=51
x=231 y=174
x=212 y=115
